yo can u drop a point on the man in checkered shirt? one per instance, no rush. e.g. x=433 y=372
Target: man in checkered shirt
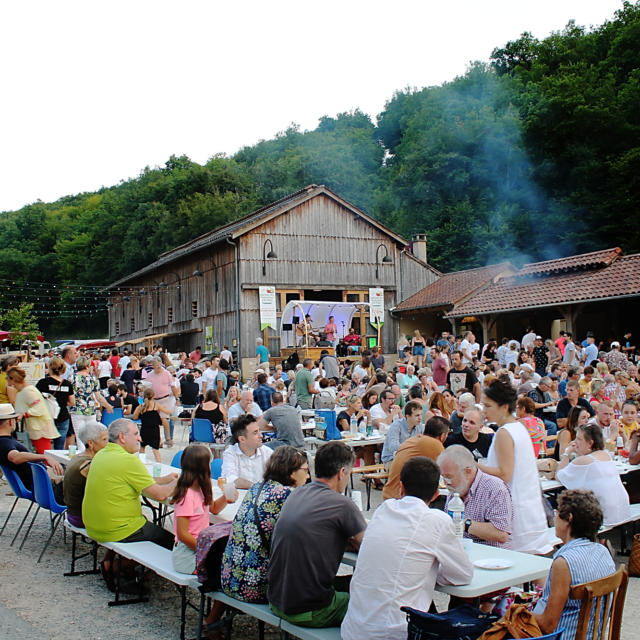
x=488 y=511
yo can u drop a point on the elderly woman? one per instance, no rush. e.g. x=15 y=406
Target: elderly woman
x=31 y=406
x=580 y=559
x=94 y=436
x=511 y=458
x=585 y=464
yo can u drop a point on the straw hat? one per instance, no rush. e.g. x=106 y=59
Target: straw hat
x=7 y=411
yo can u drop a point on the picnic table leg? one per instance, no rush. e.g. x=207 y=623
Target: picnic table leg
x=183 y=610
x=201 y=614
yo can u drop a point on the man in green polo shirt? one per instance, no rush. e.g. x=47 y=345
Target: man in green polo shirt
x=111 y=508
x=305 y=385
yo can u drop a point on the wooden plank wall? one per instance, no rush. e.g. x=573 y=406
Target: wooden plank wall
x=319 y=245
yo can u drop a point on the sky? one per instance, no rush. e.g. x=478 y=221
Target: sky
x=94 y=91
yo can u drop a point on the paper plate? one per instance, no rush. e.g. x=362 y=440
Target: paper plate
x=493 y=564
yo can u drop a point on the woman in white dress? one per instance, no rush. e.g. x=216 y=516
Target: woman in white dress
x=585 y=465
x=511 y=458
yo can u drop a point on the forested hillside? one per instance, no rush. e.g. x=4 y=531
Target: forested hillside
x=533 y=154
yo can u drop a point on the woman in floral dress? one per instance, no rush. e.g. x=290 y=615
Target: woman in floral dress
x=245 y=560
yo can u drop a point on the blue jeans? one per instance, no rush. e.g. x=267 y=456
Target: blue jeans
x=551 y=427
x=63 y=429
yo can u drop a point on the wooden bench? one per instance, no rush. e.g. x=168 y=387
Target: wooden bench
x=368 y=468
x=369 y=479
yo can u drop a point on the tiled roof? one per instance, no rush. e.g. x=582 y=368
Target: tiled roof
x=619 y=279
x=452 y=287
x=592 y=260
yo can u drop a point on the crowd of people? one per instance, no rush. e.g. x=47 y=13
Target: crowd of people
x=474 y=420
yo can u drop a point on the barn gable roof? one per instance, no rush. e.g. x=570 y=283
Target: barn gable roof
x=247 y=223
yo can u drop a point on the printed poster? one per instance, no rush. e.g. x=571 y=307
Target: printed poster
x=268 y=307
x=208 y=339
x=376 y=306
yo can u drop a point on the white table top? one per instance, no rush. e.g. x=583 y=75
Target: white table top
x=526 y=567
x=350 y=442
x=227 y=514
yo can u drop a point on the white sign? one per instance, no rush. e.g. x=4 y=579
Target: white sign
x=34 y=370
x=376 y=306
x=268 y=307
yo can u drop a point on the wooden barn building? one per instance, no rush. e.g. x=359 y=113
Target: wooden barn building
x=310 y=245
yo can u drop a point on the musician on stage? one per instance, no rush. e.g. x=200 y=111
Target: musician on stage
x=304 y=328
x=352 y=339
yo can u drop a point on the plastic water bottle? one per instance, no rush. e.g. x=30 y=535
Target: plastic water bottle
x=455 y=509
x=354 y=426
x=362 y=427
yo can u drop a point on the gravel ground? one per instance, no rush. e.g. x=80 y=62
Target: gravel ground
x=38 y=601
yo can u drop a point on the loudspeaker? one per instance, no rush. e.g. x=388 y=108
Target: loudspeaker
x=287 y=327
x=295 y=320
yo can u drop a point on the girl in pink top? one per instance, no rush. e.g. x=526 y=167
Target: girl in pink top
x=193 y=501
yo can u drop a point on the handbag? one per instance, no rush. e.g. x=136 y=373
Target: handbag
x=634 y=557
x=462 y=623
x=52 y=405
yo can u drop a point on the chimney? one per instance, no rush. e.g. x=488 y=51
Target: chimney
x=419 y=246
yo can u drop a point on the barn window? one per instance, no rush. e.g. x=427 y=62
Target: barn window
x=170 y=314
x=132 y=323
x=117 y=328
x=150 y=320
x=194 y=309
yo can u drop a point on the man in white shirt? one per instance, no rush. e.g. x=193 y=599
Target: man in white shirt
x=226 y=354
x=245 y=406
x=124 y=361
x=210 y=375
x=243 y=463
x=69 y=355
x=469 y=348
x=407 y=547
x=385 y=412
x=590 y=352
x=569 y=356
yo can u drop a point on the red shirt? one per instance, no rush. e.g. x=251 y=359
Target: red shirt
x=115 y=368
x=195 y=356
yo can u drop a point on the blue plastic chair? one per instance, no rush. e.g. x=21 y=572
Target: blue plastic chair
x=201 y=430
x=177 y=459
x=108 y=418
x=21 y=492
x=43 y=492
x=216 y=468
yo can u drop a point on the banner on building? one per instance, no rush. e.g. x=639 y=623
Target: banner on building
x=376 y=306
x=268 y=316
x=208 y=339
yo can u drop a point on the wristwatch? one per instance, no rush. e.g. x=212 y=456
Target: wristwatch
x=467 y=524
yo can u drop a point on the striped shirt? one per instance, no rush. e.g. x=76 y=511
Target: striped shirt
x=587 y=561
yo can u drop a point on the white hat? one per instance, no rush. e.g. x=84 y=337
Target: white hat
x=7 y=411
x=615 y=344
x=259 y=370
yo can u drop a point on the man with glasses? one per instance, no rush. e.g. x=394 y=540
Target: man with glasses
x=488 y=510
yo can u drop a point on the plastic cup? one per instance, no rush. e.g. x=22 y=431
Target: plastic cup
x=73 y=449
x=222 y=481
x=229 y=491
x=157 y=470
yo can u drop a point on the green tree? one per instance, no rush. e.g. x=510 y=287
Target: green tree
x=21 y=324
